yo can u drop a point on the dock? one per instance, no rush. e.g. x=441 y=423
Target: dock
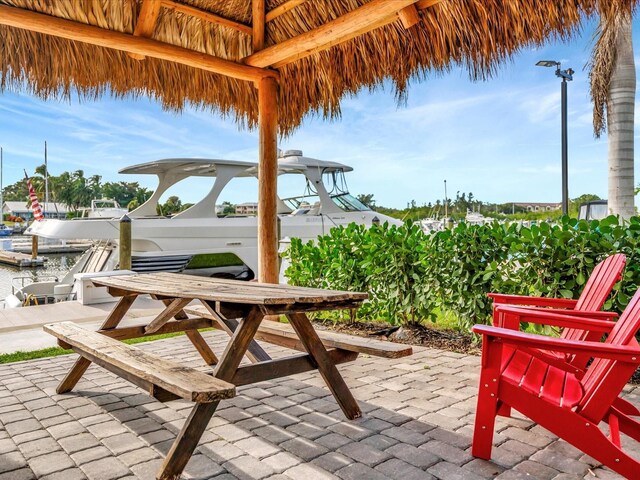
x=22 y=260
x=24 y=246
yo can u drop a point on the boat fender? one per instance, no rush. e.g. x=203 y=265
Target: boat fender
x=11 y=301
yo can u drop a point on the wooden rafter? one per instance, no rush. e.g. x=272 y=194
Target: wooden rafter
x=258 y=9
x=409 y=16
x=204 y=15
x=37 y=22
x=357 y=22
x=282 y=9
x=146 y=23
x=422 y=4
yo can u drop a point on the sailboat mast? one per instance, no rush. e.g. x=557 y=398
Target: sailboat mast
x=46 y=181
x=446 y=201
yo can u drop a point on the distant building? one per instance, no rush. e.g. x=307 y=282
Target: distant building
x=539 y=207
x=248 y=208
x=21 y=209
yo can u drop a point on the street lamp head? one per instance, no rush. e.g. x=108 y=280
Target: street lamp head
x=547 y=63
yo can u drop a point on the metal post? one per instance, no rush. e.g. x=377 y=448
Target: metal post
x=125 y=243
x=565 y=162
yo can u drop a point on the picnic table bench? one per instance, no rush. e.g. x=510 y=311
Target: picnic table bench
x=239 y=309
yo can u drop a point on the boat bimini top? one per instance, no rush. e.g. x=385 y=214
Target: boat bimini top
x=173 y=170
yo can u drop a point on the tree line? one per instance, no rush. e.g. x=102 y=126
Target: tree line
x=75 y=190
x=458 y=207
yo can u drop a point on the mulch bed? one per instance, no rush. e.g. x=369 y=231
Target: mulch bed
x=412 y=334
x=418 y=334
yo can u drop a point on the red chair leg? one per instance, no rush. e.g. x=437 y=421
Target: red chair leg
x=487 y=407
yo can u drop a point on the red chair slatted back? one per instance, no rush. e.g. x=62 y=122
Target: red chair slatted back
x=598 y=287
x=605 y=378
x=601 y=282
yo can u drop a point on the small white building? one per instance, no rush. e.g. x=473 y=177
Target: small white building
x=539 y=207
x=21 y=209
x=248 y=208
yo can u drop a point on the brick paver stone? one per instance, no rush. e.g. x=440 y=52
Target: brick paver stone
x=417 y=424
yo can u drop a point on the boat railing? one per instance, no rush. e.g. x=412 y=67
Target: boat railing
x=18 y=283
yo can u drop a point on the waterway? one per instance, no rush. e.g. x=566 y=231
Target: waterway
x=57 y=265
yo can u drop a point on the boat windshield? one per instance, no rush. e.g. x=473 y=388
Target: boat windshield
x=349 y=203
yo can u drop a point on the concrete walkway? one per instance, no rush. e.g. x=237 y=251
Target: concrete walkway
x=21 y=328
x=417 y=425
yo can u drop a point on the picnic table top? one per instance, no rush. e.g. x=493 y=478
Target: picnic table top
x=177 y=285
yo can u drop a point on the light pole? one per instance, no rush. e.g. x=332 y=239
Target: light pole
x=564 y=75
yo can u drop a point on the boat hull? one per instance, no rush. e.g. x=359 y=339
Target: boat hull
x=155 y=237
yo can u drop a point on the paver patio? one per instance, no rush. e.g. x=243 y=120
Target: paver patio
x=417 y=425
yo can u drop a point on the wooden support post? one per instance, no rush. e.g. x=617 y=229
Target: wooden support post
x=34 y=246
x=258 y=23
x=125 y=243
x=267 y=181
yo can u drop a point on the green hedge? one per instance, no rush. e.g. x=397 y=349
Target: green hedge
x=410 y=275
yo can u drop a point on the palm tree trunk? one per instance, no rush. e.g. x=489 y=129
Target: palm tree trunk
x=620 y=121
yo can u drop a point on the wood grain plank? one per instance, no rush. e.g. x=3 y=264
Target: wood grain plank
x=255 y=352
x=119 y=311
x=343 y=341
x=179 y=285
x=203 y=348
x=167 y=314
x=283 y=367
x=326 y=367
x=186 y=441
x=74 y=375
x=137 y=331
x=180 y=380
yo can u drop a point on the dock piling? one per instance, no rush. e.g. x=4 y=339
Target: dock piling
x=125 y=243
x=34 y=247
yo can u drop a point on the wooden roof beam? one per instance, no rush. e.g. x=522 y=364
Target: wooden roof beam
x=146 y=23
x=422 y=4
x=258 y=9
x=80 y=32
x=204 y=15
x=282 y=9
x=357 y=22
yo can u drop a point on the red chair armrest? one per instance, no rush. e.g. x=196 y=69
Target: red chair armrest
x=499 y=298
x=562 y=318
x=625 y=353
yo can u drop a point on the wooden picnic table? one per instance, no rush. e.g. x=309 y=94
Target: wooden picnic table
x=235 y=307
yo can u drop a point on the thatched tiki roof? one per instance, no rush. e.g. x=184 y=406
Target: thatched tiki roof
x=303 y=55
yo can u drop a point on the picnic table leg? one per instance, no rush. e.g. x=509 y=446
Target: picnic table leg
x=113 y=319
x=327 y=368
x=255 y=352
x=194 y=427
x=195 y=337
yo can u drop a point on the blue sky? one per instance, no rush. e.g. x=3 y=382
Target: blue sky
x=499 y=139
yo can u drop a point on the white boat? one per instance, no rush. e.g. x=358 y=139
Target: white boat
x=476 y=218
x=198 y=235
x=430 y=225
x=104 y=208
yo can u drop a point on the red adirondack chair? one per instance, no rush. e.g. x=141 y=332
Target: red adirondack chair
x=559 y=400
x=601 y=281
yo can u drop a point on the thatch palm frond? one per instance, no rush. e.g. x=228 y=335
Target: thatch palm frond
x=603 y=59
